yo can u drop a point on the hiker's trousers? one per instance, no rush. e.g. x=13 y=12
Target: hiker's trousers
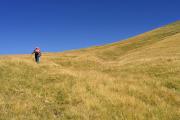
x=37 y=58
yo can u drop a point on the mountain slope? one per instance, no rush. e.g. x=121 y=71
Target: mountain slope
x=134 y=79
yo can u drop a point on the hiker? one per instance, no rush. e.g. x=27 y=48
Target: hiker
x=37 y=53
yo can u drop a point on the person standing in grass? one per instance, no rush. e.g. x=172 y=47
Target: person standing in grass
x=37 y=53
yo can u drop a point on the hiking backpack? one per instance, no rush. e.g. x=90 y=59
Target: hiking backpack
x=37 y=50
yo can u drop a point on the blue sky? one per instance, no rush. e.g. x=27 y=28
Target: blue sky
x=59 y=25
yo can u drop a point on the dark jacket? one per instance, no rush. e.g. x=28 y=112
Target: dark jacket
x=36 y=53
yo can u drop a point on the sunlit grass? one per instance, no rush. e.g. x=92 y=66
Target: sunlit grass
x=137 y=79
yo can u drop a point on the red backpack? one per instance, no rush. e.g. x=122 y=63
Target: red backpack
x=37 y=50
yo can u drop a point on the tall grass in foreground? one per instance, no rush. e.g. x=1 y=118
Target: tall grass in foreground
x=143 y=84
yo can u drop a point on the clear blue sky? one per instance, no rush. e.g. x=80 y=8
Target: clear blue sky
x=58 y=25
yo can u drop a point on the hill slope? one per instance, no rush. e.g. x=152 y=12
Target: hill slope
x=134 y=79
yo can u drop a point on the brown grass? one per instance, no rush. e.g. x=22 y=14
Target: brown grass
x=136 y=79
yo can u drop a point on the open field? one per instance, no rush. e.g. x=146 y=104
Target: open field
x=135 y=79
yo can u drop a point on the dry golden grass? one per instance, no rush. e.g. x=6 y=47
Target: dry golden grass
x=136 y=79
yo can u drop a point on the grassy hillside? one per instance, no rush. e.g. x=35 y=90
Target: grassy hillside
x=135 y=79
